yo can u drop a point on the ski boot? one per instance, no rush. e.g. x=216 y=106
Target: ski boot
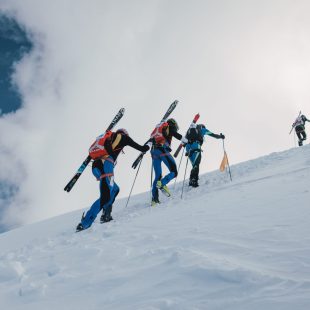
x=193 y=183
x=105 y=217
x=155 y=202
x=164 y=189
x=80 y=226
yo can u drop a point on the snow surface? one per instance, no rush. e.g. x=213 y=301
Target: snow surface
x=227 y=245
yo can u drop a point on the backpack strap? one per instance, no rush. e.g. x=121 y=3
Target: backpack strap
x=116 y=141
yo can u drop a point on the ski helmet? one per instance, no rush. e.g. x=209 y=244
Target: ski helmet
x=173 y=123
x=122 y=131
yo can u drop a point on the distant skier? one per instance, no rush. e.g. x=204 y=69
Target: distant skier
x=195 y=136
x=161 y=140
x=103 y=170
x=299 y=126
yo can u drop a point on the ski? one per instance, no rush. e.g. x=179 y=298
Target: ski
x=71 y=183
x=167 y=114
x=294 y=124
x=181 y=144
x=170 y=110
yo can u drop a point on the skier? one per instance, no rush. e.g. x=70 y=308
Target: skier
x=195 y=136
x=299 y=125
x=103 y=170
x=161 y=140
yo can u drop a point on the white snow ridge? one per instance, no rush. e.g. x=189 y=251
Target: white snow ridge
x=226 y=245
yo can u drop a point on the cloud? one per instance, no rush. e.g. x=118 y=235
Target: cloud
x=244 y=67
x=81 y=70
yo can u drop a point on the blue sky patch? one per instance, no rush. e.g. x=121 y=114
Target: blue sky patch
x=14 y=43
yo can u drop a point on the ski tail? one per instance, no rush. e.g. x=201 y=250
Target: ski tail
x=79 y=172
x=72 y=182
x=167 y=114
x=176 y=153
x=181 y=144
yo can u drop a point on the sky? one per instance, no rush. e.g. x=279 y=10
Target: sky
x=13 y=45
x=243 y=65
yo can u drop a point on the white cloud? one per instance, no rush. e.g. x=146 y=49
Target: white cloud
x=244 y=67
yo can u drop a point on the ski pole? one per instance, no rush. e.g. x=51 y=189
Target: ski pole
x=184 y=178
x=151 y=187
x=134 y=181
x=227 y=160
x=179 y=167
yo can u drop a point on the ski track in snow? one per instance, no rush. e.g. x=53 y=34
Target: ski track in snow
x=226 y=245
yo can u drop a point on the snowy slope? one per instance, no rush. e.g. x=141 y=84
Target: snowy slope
x=227 y=245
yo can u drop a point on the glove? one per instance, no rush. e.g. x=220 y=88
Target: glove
x=222 y=136
x=145 y=148
x=184 y=140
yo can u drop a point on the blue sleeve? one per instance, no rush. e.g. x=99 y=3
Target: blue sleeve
x=206 y=131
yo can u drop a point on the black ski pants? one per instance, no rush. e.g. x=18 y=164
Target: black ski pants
x=301 y=134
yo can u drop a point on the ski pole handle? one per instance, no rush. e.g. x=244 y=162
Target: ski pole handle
x=137 y=161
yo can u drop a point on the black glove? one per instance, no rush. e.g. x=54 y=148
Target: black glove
x=222 y=136
x=145 y=148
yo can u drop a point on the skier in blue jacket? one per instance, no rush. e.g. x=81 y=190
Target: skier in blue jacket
x=195 y=136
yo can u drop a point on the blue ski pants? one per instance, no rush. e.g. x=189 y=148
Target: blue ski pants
x=194 y=154
x=104 y=173
x=160 y=155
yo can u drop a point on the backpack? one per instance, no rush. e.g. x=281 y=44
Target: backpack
x=158 y=133
x=97 y=149
x=195 y=134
